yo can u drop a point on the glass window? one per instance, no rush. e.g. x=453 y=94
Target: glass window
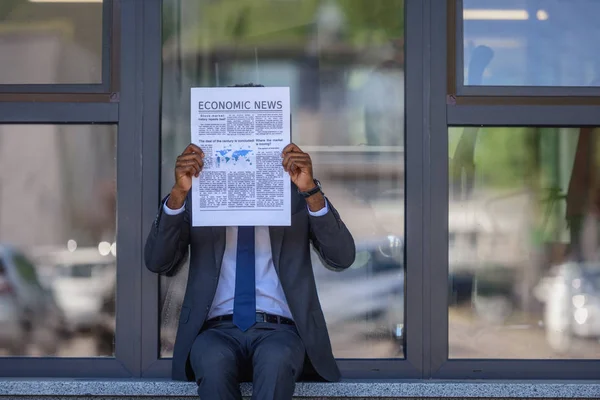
x=531 y=42
x=524 y=259
x=57 y=240
x=50 y=42
x=344 y=64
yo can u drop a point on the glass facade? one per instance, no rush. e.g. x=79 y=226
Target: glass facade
x=523 y=243
x=57 y=240
x=458 y=139
x=531 y=43
x=50 y=42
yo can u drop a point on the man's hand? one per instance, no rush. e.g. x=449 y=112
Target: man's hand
x=188 y=165
x=299 y=165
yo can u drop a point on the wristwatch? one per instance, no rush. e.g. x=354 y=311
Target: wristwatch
x=312 y=191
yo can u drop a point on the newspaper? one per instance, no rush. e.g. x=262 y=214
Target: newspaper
x=242 y=132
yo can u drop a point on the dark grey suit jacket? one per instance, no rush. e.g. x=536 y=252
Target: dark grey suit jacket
x=167 y=247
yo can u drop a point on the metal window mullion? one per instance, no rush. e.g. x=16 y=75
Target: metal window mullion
x=129 y=190
x=64 y=88
x=457 y=36
x=151 y=151
x=436 y=265
x=58 y=113
x=527 y=91
x=107 y=19
x=416 y=184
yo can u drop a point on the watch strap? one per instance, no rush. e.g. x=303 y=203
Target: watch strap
x=312 y=191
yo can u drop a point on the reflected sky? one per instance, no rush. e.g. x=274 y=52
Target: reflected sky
x=531 y=42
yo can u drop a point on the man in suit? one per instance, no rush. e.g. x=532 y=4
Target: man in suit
x=251 y=308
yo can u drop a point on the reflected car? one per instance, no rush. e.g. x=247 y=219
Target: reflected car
x=485 y=256
x=370 y=292
x=29 y=314
x=80 y=281
x=571 y=296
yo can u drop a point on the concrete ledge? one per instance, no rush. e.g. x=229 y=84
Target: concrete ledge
x=55 y=388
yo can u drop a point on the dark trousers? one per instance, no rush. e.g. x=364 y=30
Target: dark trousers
x=270 y=355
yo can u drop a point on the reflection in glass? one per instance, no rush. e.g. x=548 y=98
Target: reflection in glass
x=57 y=235
x=531 y=42
x=344 y=64
x=524 y=241
x=50 y=42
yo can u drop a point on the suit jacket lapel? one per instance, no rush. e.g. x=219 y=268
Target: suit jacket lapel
x=219 y=245
x=276 y=235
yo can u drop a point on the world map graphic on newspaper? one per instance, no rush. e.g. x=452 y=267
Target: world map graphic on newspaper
x=233 y=157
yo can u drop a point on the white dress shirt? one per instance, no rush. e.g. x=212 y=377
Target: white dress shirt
x=269 y=293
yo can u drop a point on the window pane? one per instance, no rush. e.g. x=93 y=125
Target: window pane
x=524 y=259
x=531 y=42
x=57 y=235
x=344 y=64
x=50 y=42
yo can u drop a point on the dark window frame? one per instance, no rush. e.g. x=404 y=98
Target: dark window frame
x=51 y=113
x=489 y=109
x=478 y=93
x=39 y=107
x=106 y=91
x=81 y=114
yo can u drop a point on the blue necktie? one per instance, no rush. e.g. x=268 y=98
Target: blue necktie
x=244 y=302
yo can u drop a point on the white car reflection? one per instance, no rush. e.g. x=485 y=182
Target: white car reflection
x=80 y=281
x=572 y=303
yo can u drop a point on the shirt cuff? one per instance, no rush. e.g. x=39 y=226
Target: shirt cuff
x=319 y=213
x=170 y=211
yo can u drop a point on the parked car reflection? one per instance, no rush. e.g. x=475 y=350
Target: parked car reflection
x=370 y=292
x=80 y=280
x=572 y=303
x=485 y=255
x=29 y=314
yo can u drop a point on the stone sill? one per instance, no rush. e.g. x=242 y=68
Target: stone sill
x=124 y=388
